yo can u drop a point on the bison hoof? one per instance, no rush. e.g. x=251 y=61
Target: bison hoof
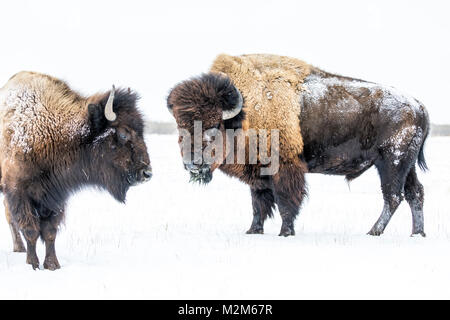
x=51 y=264
x=34 y=262
x=255 y=231
x=19 y=249
x=287 y=233
x=419 y=233
x=375 y=233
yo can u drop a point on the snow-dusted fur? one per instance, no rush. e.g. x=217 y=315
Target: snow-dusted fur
x=328 y=124
x=54 y=142
x=348 y=125
x=271 y=86
x=39 y=113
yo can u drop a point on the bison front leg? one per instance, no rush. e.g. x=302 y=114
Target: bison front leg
x=288 y=212
x=263 y=204
x=18 y=245
x=289 y=188
x=31 y=235
x=49 y=229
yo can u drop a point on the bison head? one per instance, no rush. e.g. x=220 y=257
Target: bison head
x=118 y=151
x=212 y=101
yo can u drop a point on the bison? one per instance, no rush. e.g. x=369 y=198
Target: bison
x=53 y=142
x=327 y=124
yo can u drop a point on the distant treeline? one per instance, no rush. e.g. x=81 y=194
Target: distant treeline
x=153 y=127
x=440 y=130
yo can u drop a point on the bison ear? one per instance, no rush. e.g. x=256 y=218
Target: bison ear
x=97 y=118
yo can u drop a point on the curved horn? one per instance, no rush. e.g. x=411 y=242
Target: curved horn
x=110 y=115
x=228 y=114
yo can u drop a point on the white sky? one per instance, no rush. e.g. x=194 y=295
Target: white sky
x=151 y=46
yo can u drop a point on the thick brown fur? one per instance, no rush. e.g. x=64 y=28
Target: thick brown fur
x=271 y=101
x=54 y=142
x=344 y=126
x=271 y=86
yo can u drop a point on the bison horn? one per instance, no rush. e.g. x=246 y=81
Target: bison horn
x=228 y=114
x=110 y=115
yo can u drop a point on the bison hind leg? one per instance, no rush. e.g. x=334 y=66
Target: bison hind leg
x=392 y=182
x=414 y=194
x=18 y=245
x=27 y=220
x=393 y=170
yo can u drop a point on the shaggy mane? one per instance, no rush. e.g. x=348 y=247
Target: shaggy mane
x=207 y=94
x=271 y=86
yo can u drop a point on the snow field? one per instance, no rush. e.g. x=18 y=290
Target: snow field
x=175 y=240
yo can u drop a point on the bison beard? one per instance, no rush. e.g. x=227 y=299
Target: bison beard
x=328 y=124
x=84 y=147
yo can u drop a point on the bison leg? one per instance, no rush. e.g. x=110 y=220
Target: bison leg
x=49 y=229
x=263 y=203
x=23 y=214
x=18 y=245
x=289 y=188
x=388 y=211
x=393 y=176
x=414 y=194
x=31 y=235
x=288 y=215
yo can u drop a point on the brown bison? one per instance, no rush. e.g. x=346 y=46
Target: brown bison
x=53 y=142
x=327 y=124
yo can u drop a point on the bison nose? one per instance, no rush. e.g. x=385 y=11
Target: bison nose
x=147 y=174
x=191 y=167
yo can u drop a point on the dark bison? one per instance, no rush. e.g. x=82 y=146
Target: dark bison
x=328 y=124
x=53 y=142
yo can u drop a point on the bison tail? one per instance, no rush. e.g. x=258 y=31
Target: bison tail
x=421 y=159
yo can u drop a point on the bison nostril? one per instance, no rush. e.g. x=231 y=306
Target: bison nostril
x=191 y=167
x=147 y=174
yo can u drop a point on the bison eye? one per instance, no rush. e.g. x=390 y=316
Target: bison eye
x=123 y=135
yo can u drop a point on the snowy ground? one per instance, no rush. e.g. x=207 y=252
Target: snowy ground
x=178 y=240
